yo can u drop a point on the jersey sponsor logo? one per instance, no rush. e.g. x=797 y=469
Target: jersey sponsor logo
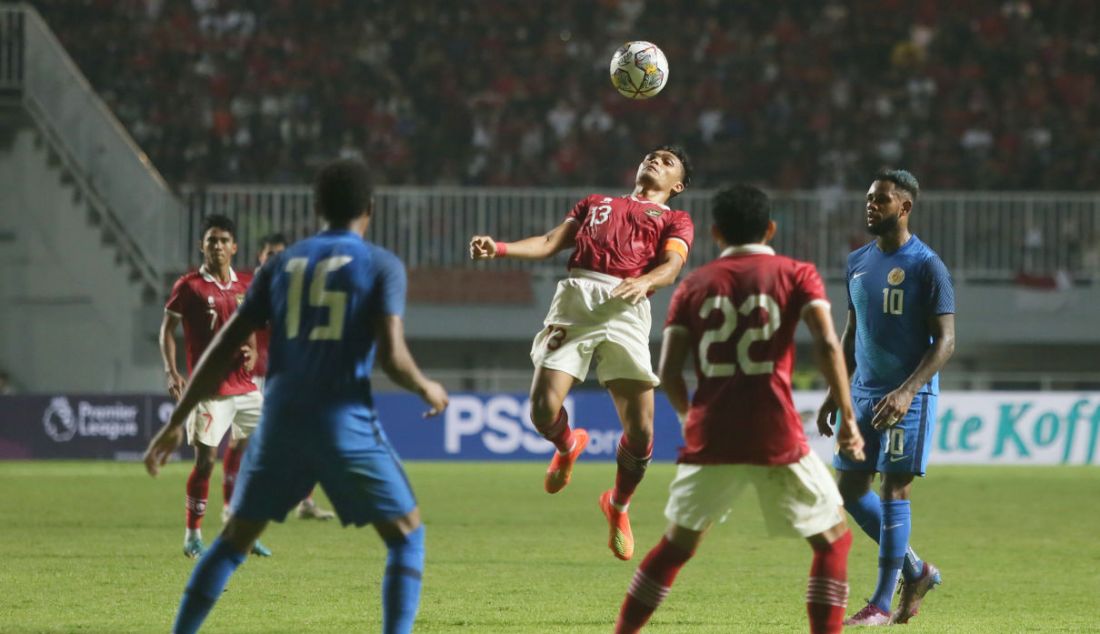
x=62 y=422
x=855 y=275
x=896 y=276
x=655 y=213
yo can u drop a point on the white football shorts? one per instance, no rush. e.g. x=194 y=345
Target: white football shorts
x=585 y=321
x=799 y=498
x=212 y=418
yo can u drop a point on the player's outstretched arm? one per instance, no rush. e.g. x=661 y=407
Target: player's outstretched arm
x=830 y=361
x=172 y=376
x=893 y=406
x=674 y=352
x=399 y=365
x=219 y=358
x=534 y=248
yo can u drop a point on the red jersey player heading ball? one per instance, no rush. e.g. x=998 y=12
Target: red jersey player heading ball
x=738 y=314
x=624 y=248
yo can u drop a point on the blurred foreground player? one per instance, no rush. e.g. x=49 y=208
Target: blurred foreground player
x=624 y=248
x=270 y=245
x=900 y=332
x=203 y=301
x=738 y=314
x=329 y=300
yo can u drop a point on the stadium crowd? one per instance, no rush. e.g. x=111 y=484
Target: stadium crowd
x=968 y=94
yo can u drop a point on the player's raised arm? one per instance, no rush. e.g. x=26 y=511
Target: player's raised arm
x=209 y=372
x=398 y=363
x=830 y=361
x=175 y=380
x=534 y=248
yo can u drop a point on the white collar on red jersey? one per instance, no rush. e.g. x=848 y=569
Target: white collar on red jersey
x=748 y=249
x=648 y=202
x=210 y=278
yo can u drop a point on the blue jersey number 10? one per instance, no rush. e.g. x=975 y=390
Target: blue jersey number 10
x=893 y=301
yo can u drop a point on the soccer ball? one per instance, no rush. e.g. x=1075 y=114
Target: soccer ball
x=639 y=70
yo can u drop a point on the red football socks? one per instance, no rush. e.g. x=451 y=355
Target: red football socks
x=231 y=464
x=559 y=433
x=198 y=487
x=650 y=585
x=632 y=459
x=827 y=591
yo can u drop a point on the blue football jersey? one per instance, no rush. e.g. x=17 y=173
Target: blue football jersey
x=894 y=295
x=323 y=298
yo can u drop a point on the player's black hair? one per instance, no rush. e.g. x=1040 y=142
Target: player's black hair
x=741 y=213
x=901 y=179
x=218 y=221
x=681 y=154
x=273 y=238
x=343 y=191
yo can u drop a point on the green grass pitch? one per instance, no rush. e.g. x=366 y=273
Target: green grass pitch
x=95 y=547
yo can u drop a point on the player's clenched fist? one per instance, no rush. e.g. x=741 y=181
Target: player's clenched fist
x=482 y=248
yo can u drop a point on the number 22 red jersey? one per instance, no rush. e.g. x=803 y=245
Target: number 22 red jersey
x=204 y=305
x=741 y=312
x=625 y=236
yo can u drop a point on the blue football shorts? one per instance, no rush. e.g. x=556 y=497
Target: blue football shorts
x=354 y=464
x=902 y=448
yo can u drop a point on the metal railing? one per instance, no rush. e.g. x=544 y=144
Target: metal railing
x=111 y=170
x=982 y=236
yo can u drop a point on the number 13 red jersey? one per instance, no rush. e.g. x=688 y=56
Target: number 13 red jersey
x=625 y=236
x=741 y=312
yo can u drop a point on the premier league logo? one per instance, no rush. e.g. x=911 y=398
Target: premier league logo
x=58 y=420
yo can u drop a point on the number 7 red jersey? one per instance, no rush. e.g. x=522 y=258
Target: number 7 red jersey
x=204 y=305
x=741 y=312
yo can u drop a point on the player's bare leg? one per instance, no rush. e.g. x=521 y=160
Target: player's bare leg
x=827 y=590
x=652 y=581
x=404 y=538
x=548 y=391
x=634 y=403
x=198 y=488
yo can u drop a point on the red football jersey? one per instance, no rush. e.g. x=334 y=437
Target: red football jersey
x=625 y=236
x=741 y=312
x=204 y=305
x=263 y=338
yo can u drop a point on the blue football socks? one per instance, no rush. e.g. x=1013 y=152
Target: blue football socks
x=401 y=585
x=867 y=512
x=893 y=543
x=207 y=582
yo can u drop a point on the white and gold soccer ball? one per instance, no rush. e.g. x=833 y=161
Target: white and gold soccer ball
x=639 y=70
